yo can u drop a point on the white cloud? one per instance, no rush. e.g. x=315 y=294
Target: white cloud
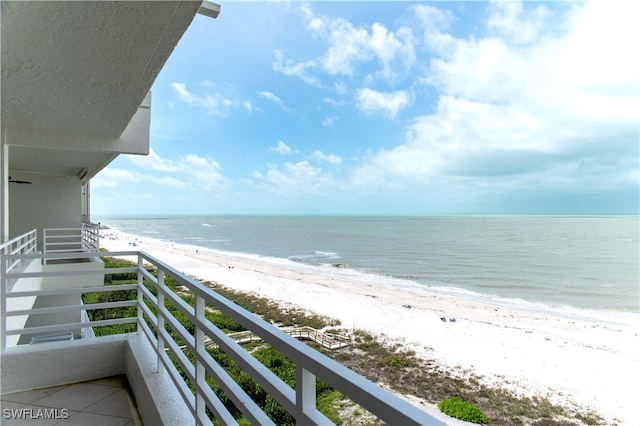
x=294 y=179
x=215 y=104
x=434 y=24
x=348 y=47
x=333 y=102
x=292 y=69
x=247 y=105
x=538 y=108
x=385 y=103
x=203 y=172
x=328 y=121
x=153 y=162
x=112 y=178
x=330 y=158
x=166 y=181
x=510 y=20
x=390 y=48
x=270 y=96
x=190 y=171
x=281 y=148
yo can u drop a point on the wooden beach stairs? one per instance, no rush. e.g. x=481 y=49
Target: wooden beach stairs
x=327 y=341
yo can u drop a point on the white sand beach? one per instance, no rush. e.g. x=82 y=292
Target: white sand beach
x=592 y=364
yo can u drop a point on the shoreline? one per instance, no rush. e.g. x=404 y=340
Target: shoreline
x=573 y=361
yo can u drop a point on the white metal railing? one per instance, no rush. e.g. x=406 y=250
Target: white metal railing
x=153 y=317
x=65 y=240
x=91 y=237
x=23 y=244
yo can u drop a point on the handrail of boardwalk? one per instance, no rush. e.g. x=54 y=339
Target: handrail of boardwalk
x=325 y=340
x=153 y=317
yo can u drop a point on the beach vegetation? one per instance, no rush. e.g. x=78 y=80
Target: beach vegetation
x=285 y=369
x=463 y=410
x=272 y=311
x=432 y=382
x=113 y=296
x=398 y=361
x=589 y=418
x=375 y=357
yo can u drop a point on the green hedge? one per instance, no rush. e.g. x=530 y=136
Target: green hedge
x=459 y=409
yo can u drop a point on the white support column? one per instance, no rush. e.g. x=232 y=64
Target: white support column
x=4 y=190
x=3 y=306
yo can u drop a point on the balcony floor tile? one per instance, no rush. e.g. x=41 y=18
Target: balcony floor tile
x=77 y=397
x=84 y=419
x=99 y=402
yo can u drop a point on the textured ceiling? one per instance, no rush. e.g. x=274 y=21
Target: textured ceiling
x=84 y=66
x=72 y=69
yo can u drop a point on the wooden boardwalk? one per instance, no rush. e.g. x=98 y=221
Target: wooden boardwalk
x=327 y=341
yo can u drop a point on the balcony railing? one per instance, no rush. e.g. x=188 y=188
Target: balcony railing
x=64 y=240
x=23 y=244
x=153 y=318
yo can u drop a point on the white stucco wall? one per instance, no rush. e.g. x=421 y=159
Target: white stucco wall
x=67 y=281
x=49 y=202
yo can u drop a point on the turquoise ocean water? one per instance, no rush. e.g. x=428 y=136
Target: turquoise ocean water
x=581 y=265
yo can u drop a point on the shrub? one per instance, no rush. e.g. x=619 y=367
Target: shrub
x=459 y=409
x=398 y=361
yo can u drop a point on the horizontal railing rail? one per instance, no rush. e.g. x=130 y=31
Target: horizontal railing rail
x=86 y=238
x=23 y=244
x=61 y=240
x=183 y=354
x=91 y=237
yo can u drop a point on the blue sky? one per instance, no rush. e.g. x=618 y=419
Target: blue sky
x=392 y=108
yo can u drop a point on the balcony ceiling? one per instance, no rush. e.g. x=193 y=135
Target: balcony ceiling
x=82 y=67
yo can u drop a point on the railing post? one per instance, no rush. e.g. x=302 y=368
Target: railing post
x=201 y=409
x=140 y=294
x=160 y=320
x=305 y=393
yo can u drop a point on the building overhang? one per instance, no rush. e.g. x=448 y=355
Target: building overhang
x=76 y=77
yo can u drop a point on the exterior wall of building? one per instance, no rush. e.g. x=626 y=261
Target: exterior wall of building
x=48 y=202
x=61 y=363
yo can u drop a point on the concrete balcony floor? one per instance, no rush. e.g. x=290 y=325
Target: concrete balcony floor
x=107 y=402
